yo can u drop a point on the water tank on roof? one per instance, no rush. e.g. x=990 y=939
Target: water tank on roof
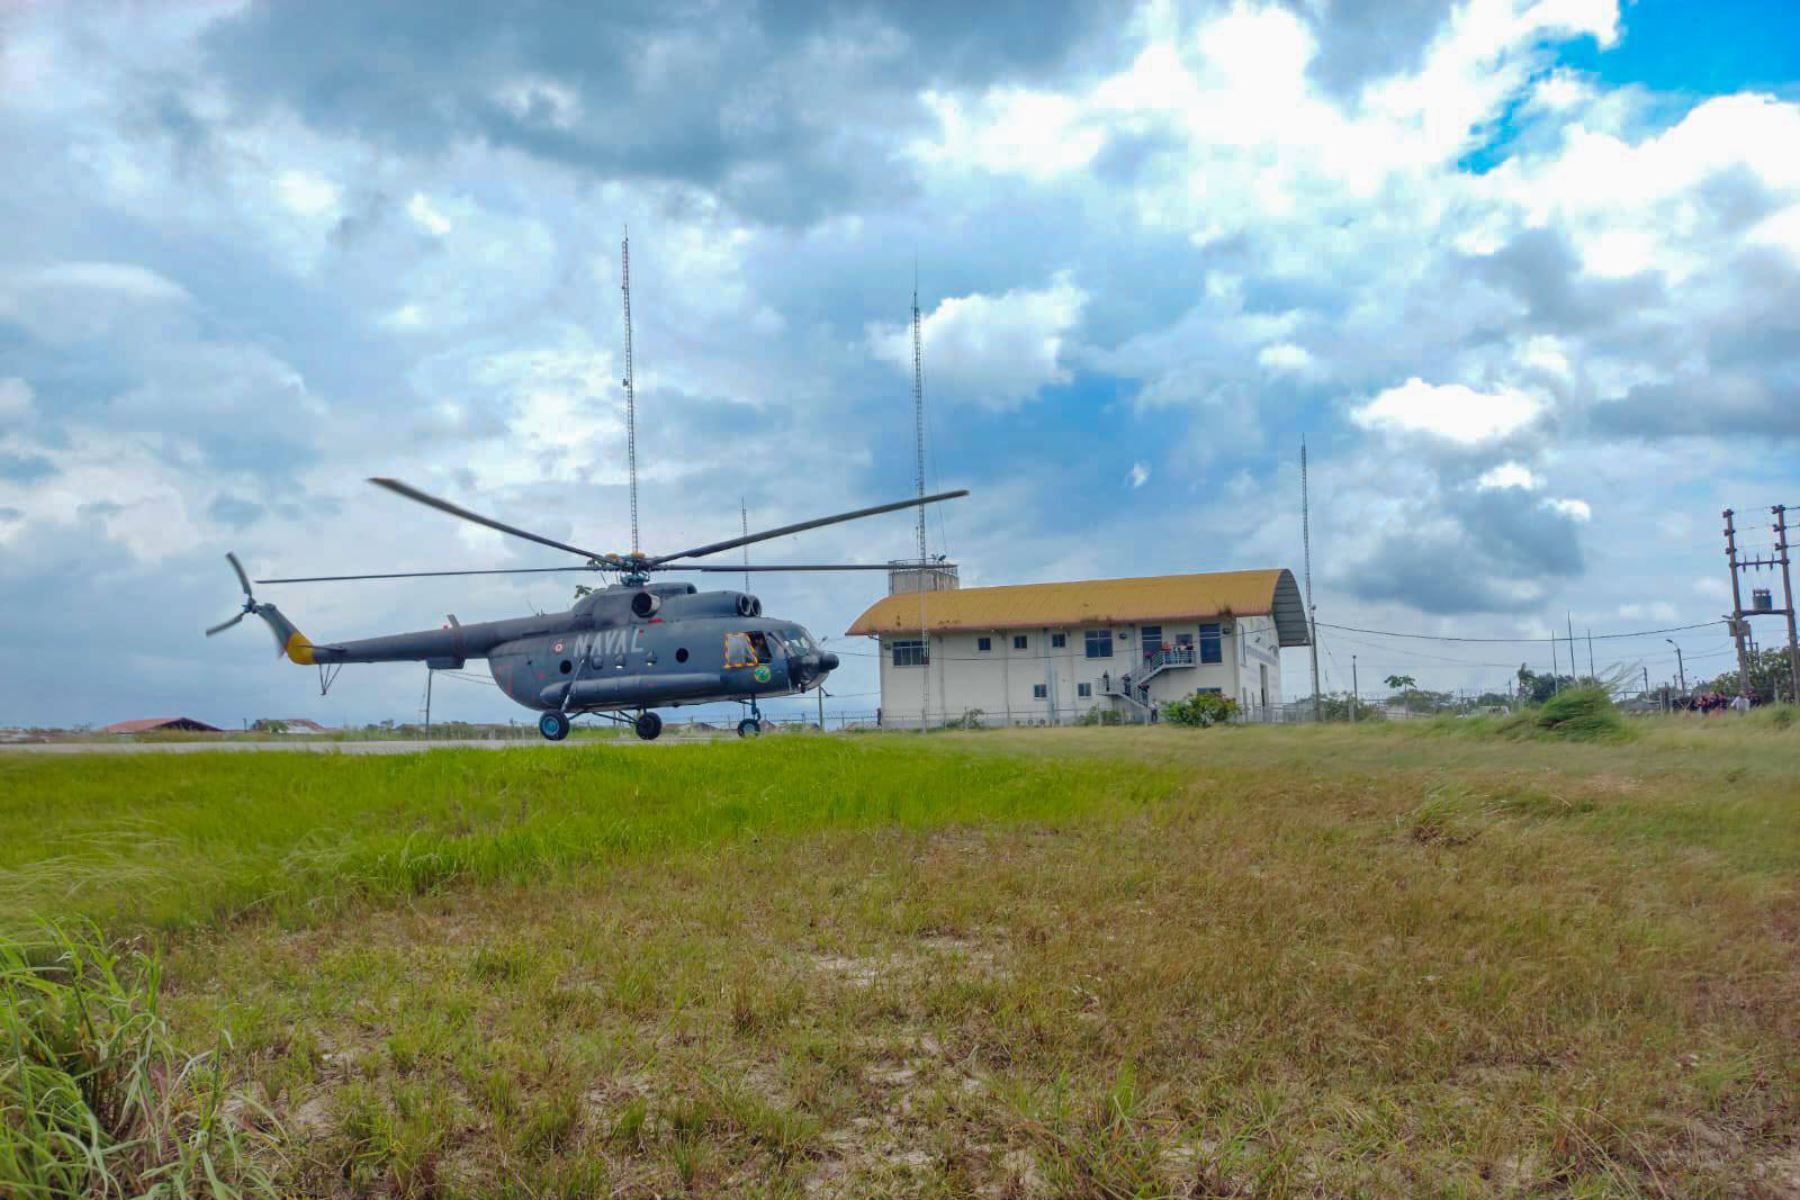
x=910 y=575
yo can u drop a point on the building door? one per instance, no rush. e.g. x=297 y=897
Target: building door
x=1150 y=641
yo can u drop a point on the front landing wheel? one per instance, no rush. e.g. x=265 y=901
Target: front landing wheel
x=648 y=726
x=749 y=727
x=554 y=726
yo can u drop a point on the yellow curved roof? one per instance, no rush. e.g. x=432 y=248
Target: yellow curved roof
x=1098 y=602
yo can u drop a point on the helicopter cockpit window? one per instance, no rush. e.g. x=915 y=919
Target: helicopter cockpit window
x=746 y=649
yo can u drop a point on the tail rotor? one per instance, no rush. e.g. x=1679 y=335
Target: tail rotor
x=250 y=605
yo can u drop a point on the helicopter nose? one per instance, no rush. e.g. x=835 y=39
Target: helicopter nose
x=828 y=661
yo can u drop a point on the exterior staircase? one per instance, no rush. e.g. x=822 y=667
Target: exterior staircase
x=1163 y=660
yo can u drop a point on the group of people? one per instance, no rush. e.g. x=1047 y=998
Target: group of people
x=1707 y=703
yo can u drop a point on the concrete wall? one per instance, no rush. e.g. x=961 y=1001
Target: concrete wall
x=1000 y=682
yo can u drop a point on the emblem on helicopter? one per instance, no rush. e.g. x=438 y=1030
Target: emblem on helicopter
x=761 y=674
x=557 y=647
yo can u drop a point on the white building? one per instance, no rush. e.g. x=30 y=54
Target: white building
x=1049 y=653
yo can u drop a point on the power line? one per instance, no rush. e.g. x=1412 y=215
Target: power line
x=1435 y=637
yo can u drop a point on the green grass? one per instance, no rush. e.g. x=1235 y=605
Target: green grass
x=1107 y=962
x=172 y=842
x=94 y=1098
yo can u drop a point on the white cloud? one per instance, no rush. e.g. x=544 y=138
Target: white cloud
x=1011 y=131
x=997 y=351
x=1508 y=475
x=427 y=216
x=1451 y=411
x=119 y=279
x=309 y=195
x=1284 y=356
x=1575 y=510
x=1139 y=475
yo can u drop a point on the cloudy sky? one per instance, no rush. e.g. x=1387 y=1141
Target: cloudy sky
x=1525 y=273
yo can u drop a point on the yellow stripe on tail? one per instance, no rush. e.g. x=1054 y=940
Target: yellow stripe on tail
x=299 y=649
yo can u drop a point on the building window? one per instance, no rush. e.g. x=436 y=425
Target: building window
x=911 y=653
x=1019 y=642
x=1210 y=648
x=1059 y=641
x=1210 y=691
x=1084 y=690
x=984 y=644
x=1099 y=643
x=1040 y=691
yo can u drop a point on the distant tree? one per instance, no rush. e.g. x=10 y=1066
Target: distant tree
x=1400 y=683
x=1535 y=688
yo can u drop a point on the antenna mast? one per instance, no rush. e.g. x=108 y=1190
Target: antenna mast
x=1312 y=613
x=630 y=388
x=919 y=416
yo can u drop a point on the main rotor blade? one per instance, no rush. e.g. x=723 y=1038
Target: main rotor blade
x=222 y=626
x=413 y=493
x=800 y=527
x=797 y=567
x=243 y=580
x=426 y=574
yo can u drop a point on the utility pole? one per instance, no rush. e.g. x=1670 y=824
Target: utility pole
x=1646 y=683
x=918 y=340
x=1355 y=690
x=1312 y=611
x=1740 y=626
x=1555 y=676
x=1592 y=674
x=1787 y=590
x=821 y=691
x=1570 y=618
x=428 y=674
x=1680 y=666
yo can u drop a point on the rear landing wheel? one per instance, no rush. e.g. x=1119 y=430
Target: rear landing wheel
x=749 y=727
x=648 y=726
x=554 y=726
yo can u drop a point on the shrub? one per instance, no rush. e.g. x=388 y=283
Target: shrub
x=1581 y=714
x=1101 y=716
x=94 y=1100
x=1202 y=709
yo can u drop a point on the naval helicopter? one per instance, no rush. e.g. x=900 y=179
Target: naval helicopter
x=621 y=651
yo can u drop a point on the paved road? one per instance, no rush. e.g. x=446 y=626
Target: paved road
x=306 y=745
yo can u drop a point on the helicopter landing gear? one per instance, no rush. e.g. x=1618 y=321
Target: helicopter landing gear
x=554 y=726
x=648 y=726
x=749 y=727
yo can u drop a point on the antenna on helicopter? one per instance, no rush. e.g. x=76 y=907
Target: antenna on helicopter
x=630 y=385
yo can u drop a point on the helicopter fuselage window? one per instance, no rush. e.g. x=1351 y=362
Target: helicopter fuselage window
x=745 y=649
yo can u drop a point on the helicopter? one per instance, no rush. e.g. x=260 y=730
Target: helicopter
x=621 y=651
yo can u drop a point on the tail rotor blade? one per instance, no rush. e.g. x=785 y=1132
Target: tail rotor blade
x=222 y=626
x=243 y=579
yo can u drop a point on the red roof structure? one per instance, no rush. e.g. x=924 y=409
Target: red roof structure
x=160 y=724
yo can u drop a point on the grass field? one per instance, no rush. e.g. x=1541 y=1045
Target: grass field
x=1420 y=960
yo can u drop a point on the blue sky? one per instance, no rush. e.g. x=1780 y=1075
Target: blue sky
x=1525 y=274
